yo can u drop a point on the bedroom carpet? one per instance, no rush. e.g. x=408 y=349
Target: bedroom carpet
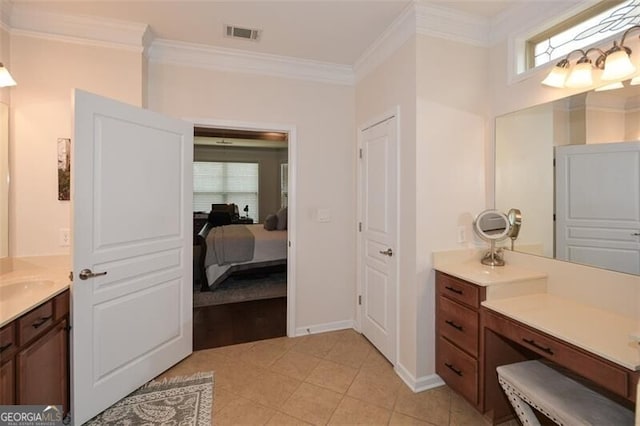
x=242 y=289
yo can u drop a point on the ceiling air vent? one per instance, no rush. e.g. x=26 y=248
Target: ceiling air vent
x=243 y=33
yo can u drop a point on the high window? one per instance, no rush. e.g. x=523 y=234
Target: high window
x=284 y=185
x=225 y=182
x=591 y=26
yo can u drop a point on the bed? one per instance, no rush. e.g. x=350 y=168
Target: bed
x=231 y=248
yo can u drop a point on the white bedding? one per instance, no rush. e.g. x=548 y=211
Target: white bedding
x=269 y=245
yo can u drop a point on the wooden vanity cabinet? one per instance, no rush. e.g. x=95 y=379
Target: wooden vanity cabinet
x=36 y=369
x=458 y=335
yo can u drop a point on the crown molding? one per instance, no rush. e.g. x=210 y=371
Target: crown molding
x=442 y=22
x=234 y=60
x=5 y=15
x=80 y=29
x=393 y=37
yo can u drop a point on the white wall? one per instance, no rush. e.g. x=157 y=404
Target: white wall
x=40 y=113
x=450 y=150
x=324 y=118
x=524 y=178
x=393 y=84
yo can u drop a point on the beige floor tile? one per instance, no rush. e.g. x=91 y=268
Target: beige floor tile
x=330 y=375
x=352 y=411
x=376 y=361
x=398 y=419
x=296 y=365
x=233 y=351
x=284 y=342
x=270 y=389
x=431 y=405
x=312 y=404
x=317 y=344
x=236 y=374
x=243 y=412
x=222 y=398
x=285 y=419
x=350 y=351
x=263 y=354
x=463 y=414
x=378 y=387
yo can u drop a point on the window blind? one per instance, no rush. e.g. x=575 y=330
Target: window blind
x=225 y=182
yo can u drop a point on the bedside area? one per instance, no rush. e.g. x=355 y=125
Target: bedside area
x=531 y=309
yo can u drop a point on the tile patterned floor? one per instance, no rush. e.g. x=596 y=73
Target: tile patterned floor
x=330 y=378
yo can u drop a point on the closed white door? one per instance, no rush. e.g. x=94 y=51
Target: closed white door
x=598 y=205
x=132 y=195
x=378 y=247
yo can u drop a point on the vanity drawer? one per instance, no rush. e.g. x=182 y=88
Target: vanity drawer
x=35 y=322
x=458 y=370
x=7 y=341
x=61 y=305
x=598 y=370
x=458 y=290
x=458 y=324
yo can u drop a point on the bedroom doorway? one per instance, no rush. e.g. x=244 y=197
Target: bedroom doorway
x=243 y=232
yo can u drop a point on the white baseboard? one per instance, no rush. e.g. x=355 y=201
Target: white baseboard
x=322 y=328
x=420 y=384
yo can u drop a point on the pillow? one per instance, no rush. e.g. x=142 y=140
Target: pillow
x=270 y=222
x=282 y=219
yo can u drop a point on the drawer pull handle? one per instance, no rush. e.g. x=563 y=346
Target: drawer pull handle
x=5 y=347
x=538 y=346
x=452 y=368
x=454 y=325
x=455 y=290
x=41 y=321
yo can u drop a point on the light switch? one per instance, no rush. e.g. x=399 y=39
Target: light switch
x=323 y=215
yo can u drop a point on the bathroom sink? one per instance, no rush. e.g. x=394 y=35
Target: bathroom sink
x=24 y=289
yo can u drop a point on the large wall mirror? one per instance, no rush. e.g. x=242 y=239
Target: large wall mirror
x=586 y=208
x=4 y=180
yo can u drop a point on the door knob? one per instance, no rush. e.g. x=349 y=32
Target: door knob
x=387 y=252
x=86 y=274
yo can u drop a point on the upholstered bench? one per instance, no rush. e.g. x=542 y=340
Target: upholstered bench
x=563 y=400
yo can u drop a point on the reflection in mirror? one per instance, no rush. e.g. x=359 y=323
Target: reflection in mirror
x=593 y=193
x=492 y=226
x=4 y=180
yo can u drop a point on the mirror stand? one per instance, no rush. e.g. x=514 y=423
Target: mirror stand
x=493 y=256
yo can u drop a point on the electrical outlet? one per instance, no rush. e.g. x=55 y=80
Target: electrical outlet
x=462 y=234
x=65 y=237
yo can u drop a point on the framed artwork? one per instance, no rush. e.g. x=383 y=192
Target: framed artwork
x=64 y=169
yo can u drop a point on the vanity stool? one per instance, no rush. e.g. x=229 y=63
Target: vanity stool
x=563 y=400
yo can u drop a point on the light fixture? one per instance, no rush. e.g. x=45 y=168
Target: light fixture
x=578 y=76
x=5 y=77
x=615 y=63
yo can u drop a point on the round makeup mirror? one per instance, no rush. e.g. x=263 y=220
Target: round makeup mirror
x=492 y=226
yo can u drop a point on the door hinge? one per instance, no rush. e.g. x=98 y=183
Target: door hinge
x=554 y=217
x=359 y=226
x=359 y=299
x=554 y=162
x=360 y=153
x=289 y=243
x=71 y=276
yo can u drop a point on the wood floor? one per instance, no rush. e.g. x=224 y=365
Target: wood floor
x=233 y=323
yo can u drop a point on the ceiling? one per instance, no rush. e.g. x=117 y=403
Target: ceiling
x=334 y=31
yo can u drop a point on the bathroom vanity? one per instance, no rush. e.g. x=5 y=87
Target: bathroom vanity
x=492 y=316
x=34 y=339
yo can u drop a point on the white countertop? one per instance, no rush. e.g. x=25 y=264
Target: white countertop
x=483 y=275
x=26 y=287
x=601 y=332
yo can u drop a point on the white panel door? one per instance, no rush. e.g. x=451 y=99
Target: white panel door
x=378 y=248
x=598 y=205
x=131 y=190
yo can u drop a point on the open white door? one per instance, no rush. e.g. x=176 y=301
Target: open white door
x=132 y=195
x=378 y=248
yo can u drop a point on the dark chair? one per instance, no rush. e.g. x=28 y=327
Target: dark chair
x=219 y=218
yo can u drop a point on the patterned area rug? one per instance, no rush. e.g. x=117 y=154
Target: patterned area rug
x=176 y=401
x=243 y=289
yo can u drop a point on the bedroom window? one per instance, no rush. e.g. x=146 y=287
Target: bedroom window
x=225 y=182
x=591 y=26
